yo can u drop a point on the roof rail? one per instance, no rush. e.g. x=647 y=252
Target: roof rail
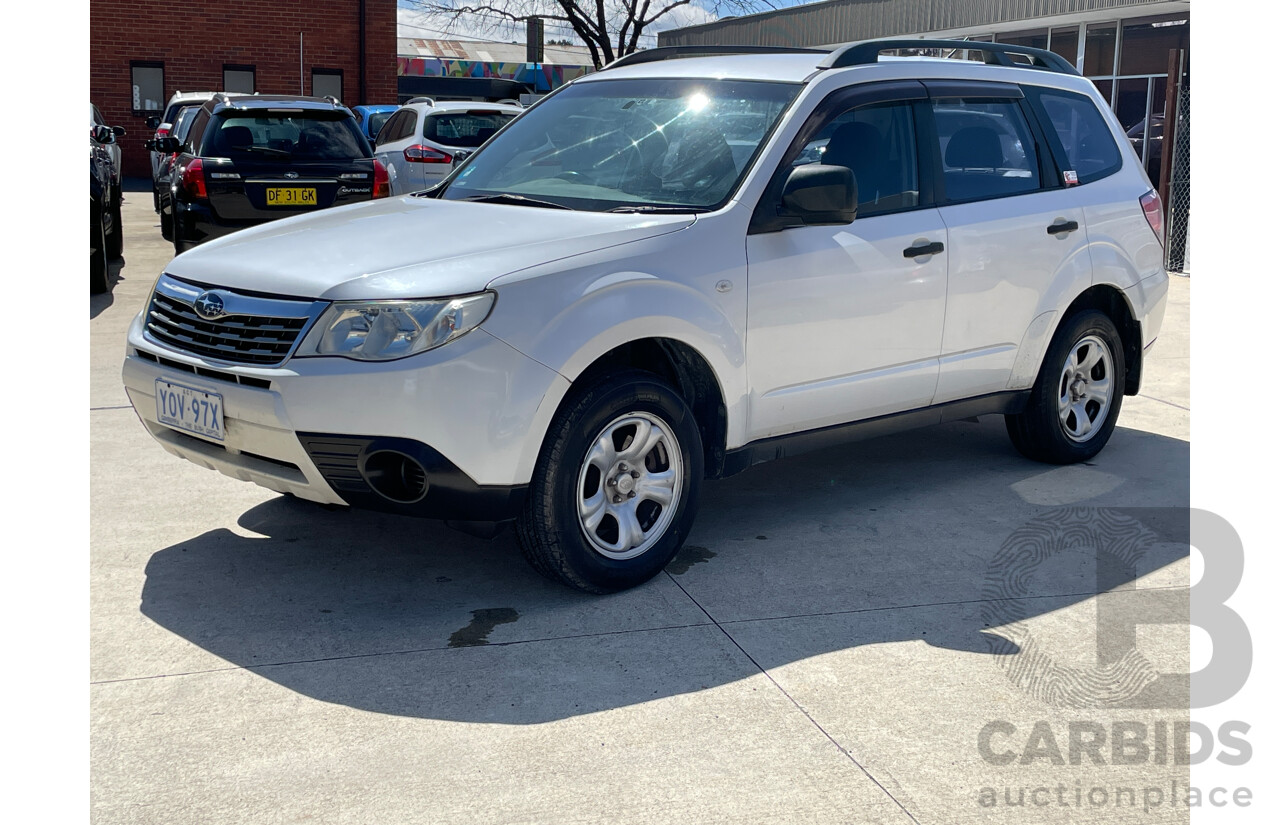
x=868 y=51
x=333 y=100
x=222 y=97
x=677 y=52
x=427 y=100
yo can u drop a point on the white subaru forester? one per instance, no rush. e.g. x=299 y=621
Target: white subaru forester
x=671 y=270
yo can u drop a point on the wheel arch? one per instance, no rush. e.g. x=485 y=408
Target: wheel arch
x=688 y=372
x=1112 y=302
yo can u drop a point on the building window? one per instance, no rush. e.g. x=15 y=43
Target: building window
x=239 y=79
x=326 y=82
x=148 y=86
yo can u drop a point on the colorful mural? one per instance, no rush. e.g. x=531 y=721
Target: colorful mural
x=542 y=77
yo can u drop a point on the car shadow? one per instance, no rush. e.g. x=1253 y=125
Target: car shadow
x=410 y=618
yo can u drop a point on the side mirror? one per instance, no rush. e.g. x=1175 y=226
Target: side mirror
x=118 y=131
x=821 y=195
x=102 y=134
x=153 y=122
x=166 y=145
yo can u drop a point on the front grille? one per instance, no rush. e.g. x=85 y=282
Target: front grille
x=238 y=337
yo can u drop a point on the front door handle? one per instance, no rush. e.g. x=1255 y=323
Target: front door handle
x=1063 y=226
x=923 y=249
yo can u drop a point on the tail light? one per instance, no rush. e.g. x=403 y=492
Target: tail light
x=1154 y=210
x=162 y=131
x=193 y=180
x=381 y=180
x=425 y=154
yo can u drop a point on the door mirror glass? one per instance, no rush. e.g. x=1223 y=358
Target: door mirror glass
x=166 y=145
x=821 y=195
x=118 y=131
x=153 y=122
x=102 y=134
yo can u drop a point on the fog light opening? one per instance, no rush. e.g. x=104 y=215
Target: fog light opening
x=395 y=476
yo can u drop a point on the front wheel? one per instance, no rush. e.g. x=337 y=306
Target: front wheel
x=1076 y=398
x=115 y=241
x=615 y=490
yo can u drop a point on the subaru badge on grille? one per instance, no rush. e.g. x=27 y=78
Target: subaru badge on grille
x=209 y=305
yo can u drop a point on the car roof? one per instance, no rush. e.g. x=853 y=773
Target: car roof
x=183 y=97
x=800 y=67
x=376 y=107
x=246 y=102
x=462 y=105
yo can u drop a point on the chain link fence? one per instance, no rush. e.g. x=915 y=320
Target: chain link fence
x=1177 y=248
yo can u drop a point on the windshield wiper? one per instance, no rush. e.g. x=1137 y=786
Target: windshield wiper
x=661 y=210
x=516 y=200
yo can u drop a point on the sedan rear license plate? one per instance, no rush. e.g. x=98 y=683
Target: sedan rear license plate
x=291 y=196
x=186 y=408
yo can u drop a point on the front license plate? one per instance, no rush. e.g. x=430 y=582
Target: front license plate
x=195 y=411
x=291 y=196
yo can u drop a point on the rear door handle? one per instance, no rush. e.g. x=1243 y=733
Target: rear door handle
x=1063 y=226
x=923 y=249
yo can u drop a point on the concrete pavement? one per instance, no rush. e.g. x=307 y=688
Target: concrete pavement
x=830 y=646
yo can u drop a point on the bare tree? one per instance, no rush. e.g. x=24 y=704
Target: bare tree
x=609 y=28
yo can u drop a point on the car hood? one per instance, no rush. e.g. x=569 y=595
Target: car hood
x=406 y=247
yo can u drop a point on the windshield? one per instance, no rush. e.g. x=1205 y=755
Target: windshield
x=298 y=136
x=619 y=144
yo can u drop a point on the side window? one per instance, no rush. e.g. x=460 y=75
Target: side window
x=878 y=144
x=390 y=128
x=196 y=133
x=410 y=125
x=1087 y=145
x=986 y=148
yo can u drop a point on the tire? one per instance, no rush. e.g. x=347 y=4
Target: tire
x=563 y=535
x=1070 y=415
x=115 y=241
x=99 y=272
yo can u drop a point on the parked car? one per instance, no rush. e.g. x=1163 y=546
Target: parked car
x=371 y=118
x=163 y=125
x=164 y=176
x=106 y=231
x=249 y=159
x=421 y=142
x=573 y=333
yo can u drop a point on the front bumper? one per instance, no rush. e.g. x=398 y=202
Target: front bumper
x=473 y=413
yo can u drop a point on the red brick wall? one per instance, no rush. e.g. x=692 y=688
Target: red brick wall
x=196 y=37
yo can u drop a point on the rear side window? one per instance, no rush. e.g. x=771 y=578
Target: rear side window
x=1088 y=148
x=986 y=148
x=296 y=137
x=466 y=129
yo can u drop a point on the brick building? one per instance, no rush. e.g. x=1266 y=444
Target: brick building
x=142 y=51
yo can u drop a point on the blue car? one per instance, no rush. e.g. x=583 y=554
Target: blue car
x=371 y=118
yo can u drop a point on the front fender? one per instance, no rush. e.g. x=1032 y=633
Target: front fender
x=568 y=314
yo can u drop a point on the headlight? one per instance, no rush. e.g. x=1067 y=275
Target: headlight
x=385 y=330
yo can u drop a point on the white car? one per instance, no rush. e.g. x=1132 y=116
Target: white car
x=671 y=270
x=422 y=142
x=164 y=123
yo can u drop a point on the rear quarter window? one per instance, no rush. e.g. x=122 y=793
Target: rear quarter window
x=1085 y=143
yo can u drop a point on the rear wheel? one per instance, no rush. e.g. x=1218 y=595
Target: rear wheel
x=1076 y=398
x=615 y=490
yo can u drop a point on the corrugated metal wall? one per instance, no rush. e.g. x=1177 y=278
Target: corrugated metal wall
x=840 y=21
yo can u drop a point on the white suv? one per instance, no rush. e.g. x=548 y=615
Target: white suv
x=667 y=271
x=422 y=142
